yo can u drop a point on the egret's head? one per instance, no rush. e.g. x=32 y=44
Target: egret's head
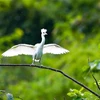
x=43 y=31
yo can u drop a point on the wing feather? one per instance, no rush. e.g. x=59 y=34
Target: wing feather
x=19 y=49
x=54 y=49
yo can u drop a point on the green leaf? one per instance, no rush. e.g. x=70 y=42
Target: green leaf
x=94 y=65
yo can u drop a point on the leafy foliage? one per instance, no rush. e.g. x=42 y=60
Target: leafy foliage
x=73 y=25
x=80 y=95
x=94 y=65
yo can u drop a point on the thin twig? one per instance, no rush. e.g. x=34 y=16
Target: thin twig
x=96 y=82
x=56 y=70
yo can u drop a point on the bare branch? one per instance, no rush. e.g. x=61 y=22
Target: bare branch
x=52 y=69
x=96 y=82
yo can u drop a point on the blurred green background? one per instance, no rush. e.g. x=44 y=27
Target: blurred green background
x=73 y=24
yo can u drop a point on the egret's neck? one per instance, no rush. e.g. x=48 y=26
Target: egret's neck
x=43 y=40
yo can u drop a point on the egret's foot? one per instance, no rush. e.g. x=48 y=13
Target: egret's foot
x=32 y=63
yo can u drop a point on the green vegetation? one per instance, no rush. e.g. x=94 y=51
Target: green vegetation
x=72 y=24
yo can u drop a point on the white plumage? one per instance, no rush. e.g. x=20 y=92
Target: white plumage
x=37 y=50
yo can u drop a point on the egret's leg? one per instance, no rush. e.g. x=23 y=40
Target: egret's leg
x=40 y=61
x=33 y=62
x=34 y=59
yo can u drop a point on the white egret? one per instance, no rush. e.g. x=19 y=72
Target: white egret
x=37 y=50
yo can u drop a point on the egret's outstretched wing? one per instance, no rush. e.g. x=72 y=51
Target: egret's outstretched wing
x=19 y=49
x=54 y=49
